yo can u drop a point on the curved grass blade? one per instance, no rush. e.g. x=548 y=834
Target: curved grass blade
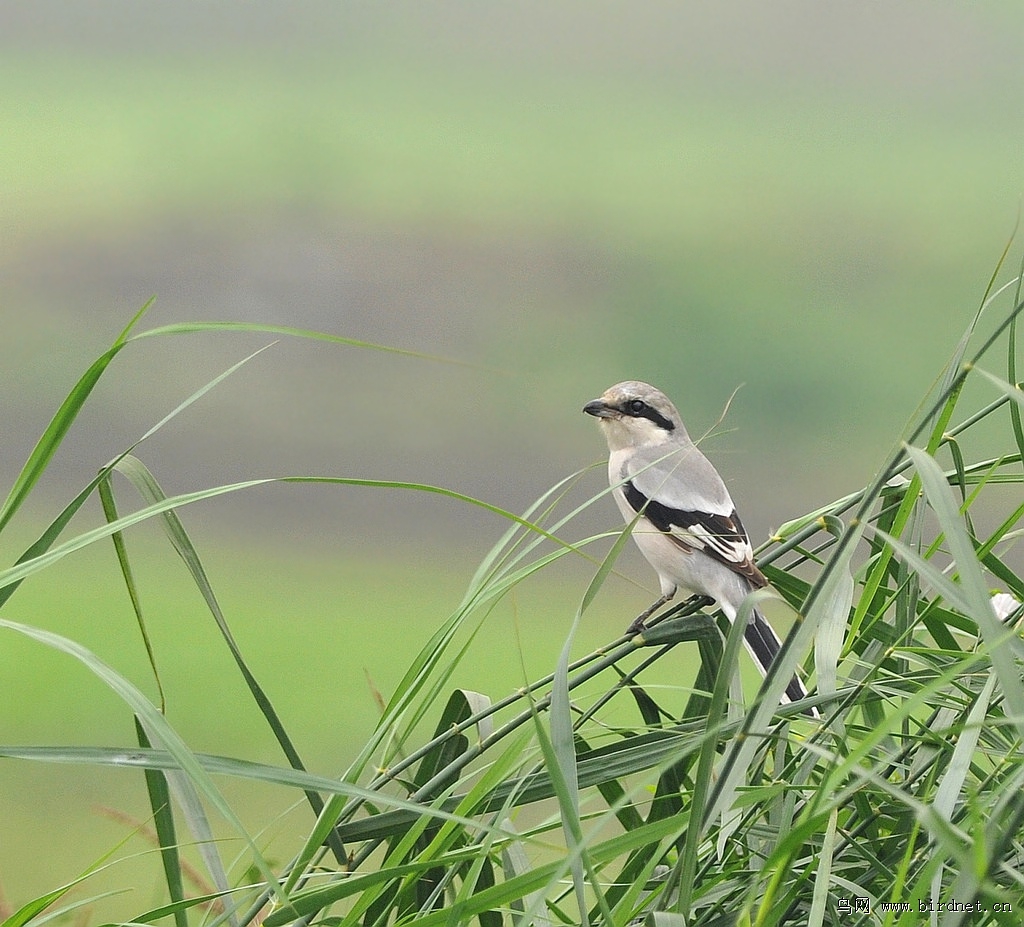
x=823 y=875
x=194 y=328
x=972 y=581
x=960 y=761
x=57 y=526
x=560 y=751
x=1010 y=390
x=62 y=420
x=150 y=491
x=32 y=909
x=463 y=704
x=188 y=780
x=393 y=822
x=1011 y=365
x=26 y=568
x=565 y=785
x=543 y=876
x=179 y=909
x=834 y=602
x=683 y=874
x=106 y=493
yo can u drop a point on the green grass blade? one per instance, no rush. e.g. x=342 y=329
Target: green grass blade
x=62 y=420
x=32 y=909
x=106 y=494
x=152 y=494
x=1010 y=390
x=560 y=760
x=972 y=580
x=381 y=825
x=26 y=568
x=955 y=775
x=47 y=539
x=190 y=778
x=701 y=811
x=545 y=875
x=561 y=750
x=163 y=820
x=823 y=875
x=179 y=909
x=834 y=606
x=193 y=328
x=1011 y=367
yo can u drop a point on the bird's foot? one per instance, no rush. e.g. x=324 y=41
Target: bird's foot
x=638 y=624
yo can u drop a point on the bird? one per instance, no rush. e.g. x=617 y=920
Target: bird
x=687 y=528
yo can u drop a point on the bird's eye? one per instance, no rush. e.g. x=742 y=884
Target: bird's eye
x=636 y=406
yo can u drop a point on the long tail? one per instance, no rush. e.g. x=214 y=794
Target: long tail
x=764 y=645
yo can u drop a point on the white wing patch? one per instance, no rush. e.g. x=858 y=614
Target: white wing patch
x=721 y=537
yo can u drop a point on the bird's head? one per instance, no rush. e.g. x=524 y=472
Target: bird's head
x=634 y=414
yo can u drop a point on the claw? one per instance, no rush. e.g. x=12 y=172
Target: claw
x=638 y=623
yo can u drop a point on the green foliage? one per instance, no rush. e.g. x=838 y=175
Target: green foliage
x=583 y=798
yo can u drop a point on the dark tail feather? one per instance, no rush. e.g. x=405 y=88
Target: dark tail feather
x=764 y=646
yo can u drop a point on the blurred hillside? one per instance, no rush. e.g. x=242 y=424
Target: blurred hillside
x=702 y=196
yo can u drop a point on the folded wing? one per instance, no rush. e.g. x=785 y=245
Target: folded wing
x=683 y=496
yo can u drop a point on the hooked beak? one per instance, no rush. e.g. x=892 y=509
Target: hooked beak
x=599 y=408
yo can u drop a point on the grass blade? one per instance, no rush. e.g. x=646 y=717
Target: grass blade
x=561 y=750
x=972 y=581
x=163 y=820
x=62 y=420
x=148 y=488
x=160 y=732
x=47 y=539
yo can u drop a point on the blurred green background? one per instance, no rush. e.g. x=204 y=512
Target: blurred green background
x=805 y=199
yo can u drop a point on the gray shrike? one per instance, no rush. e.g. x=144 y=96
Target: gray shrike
x=688 y=527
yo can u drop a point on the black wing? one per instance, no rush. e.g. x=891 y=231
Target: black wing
x=719 y=536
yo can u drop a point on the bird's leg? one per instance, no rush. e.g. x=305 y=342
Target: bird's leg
x=638 y=622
